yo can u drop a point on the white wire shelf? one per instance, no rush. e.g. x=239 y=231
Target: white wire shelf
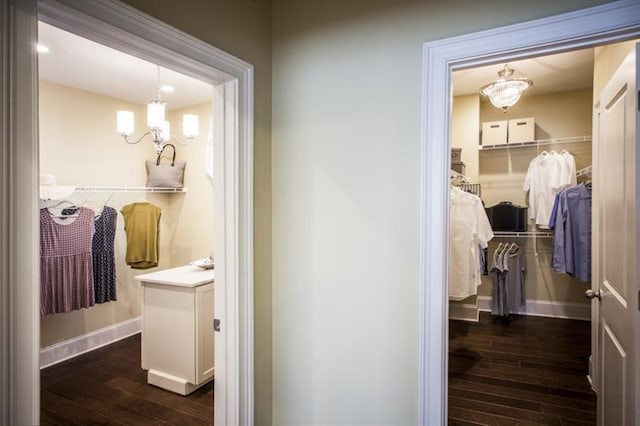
x=128 y=189
x=587 y=171
x=537 y=143
x=526 y=234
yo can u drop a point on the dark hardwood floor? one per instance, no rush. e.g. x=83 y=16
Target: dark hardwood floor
x=528 y=371
x=108 y=387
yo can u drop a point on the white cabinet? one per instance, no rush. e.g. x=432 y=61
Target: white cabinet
x=177 y=328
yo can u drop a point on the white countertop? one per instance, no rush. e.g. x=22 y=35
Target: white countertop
x=182 y=276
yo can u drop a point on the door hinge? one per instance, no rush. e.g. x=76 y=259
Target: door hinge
x=639 y=300
x=216 y=325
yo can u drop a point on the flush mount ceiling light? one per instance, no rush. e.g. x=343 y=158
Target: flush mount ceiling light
x=159 y=128
x=506 y=90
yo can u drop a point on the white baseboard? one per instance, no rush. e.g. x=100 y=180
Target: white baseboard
x=463 y=312
x=78 y=345
x=544 y=308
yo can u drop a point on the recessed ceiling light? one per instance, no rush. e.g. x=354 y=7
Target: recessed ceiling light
x=166 y=88
x=41 y=48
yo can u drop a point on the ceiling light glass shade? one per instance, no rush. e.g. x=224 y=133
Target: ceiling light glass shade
x=125 y=123
x=190 y=126
x=506 y=91
x=155 y=113
x=159 y=128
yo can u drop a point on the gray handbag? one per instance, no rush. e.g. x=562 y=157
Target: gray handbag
x=165 y=175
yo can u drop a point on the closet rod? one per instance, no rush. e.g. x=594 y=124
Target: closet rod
x=127 y=189
x=507 y=234
x=537 y=143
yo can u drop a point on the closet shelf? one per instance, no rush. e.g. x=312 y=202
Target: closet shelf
x=538 y=234
x=587 y=171
x=127 y=189
x=536 y=143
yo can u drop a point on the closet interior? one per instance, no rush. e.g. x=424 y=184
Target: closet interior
x=506 y=170
x=107 y=234
x=525 y=331
x=525 y=313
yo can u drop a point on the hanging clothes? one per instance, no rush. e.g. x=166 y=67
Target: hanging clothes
x=548 y=173
x=66 y=268
x=103 y=255
x=508 y=272
x=571 y=223
x=470 y=231
x=142 y=226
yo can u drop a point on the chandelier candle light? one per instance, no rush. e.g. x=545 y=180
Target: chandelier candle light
x=159 y=128
x=506 y=90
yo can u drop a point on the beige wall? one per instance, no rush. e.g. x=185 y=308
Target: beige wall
x=242 y=28
x=559 y=115
x=192 y=214
x=346 y=187
x=465 y=121
x=564 y=114
x=607 y=60
x=80 y=146
x=502 y=175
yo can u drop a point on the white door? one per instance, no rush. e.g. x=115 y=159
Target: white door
x=615 y=211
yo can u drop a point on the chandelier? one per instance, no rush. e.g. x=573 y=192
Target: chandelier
x=506 y=90
x=159 y=128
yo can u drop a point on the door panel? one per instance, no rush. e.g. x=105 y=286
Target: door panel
x=614 y=377
x=616 y=199
x=613 y=198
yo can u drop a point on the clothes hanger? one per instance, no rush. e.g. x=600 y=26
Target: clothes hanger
x=542 y=155
x=61 y=205
x=61 y=215
x=95 y=206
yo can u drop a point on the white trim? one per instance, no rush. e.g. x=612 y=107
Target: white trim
x=610 y=22
x=115 y=24
x=464 y=312
x=19 y=291
x=546 y=308
x=71 y=348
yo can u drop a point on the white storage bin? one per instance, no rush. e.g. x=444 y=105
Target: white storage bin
x=494 y=132
x=522 y=129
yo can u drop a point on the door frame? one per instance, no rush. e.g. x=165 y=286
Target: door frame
x=608 y=23
x=120 y=26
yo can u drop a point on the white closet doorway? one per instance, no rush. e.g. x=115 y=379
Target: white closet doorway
x=591 y=27
x=513 y=331
x=81 y=85
x=120 y=27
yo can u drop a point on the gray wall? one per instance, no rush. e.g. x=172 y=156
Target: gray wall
x=243 y=29
x=346 y=130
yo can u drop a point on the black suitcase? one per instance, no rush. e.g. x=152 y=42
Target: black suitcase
x=507 y=216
